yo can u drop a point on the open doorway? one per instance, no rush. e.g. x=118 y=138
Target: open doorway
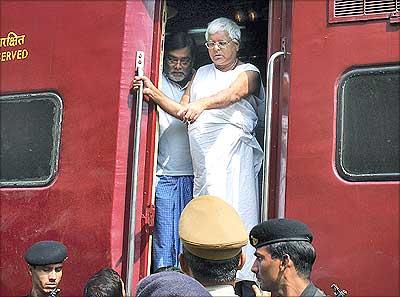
x=250 y=15
x=194 y=16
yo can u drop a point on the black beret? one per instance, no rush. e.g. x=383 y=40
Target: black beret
x=46 y=252
x=279 y=230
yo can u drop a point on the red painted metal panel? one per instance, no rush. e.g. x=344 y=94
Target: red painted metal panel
x=85 y=51
x=151 y=23
x=279 y=27
x=355 y=224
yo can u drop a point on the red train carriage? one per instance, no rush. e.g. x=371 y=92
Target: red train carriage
x=78 y=147
x=342 y=166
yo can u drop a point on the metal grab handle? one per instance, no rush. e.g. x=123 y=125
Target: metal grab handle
x=135 y=174
x=267 y=135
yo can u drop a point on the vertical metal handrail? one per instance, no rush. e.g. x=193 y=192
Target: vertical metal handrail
x=135 y=174
x=267 y=135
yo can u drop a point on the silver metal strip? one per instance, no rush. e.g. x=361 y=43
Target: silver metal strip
x=135 y=174
x=267 y=135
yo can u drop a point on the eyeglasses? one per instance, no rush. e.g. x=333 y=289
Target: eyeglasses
x=172 y=61
x=221 y=44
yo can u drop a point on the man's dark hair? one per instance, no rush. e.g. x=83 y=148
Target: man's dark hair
x=179 y=40
x=105 y=283
x=302 y=254
x=168 y=268
x=212 y=271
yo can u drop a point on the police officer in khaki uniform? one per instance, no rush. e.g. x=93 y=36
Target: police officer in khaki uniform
x=284 y=257
x=45 y=265
x=213 y=235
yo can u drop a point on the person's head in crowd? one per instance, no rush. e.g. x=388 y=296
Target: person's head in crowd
x=213 y=235
x=168 y=268
x=179 y=56
x=212 y=272
x=104 y=283
x=45 y=265
x=284 y=254
x=170 y=284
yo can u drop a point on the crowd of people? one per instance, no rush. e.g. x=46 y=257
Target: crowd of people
x=213 y=237
x=204 y=245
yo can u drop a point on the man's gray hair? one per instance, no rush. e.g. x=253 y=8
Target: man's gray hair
x=223 y=24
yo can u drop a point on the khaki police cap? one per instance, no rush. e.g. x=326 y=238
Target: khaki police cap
x=211 y=229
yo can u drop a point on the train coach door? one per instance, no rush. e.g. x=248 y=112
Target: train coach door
x=252 y=16
x=277 y=67
x=139 y=218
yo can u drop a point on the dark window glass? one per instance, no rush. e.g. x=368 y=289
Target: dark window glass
x=368 y=124
x=29 y=139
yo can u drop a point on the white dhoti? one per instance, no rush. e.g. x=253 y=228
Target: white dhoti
x=226 y=156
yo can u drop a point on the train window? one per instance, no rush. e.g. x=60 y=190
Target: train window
x=362 y=10
x=368 y=124
x=30 y=137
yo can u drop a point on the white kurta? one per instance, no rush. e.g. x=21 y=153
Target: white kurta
x=226 y=156
x=173 y=144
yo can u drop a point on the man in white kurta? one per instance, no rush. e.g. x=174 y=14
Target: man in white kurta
x=226 y=156
x=174 y=187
